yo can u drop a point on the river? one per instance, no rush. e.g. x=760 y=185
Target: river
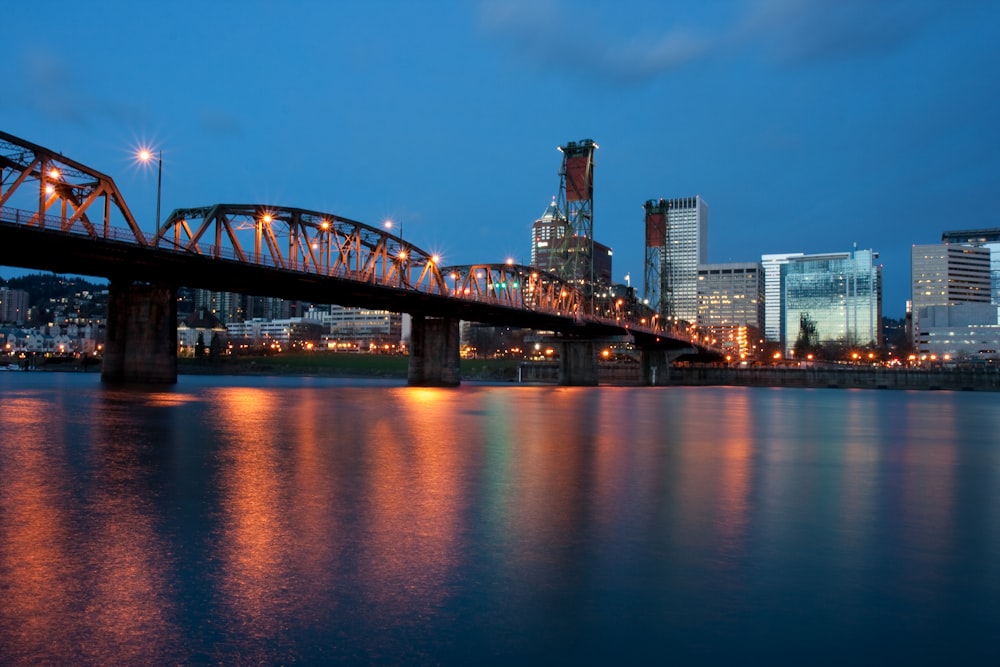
x=322 y=521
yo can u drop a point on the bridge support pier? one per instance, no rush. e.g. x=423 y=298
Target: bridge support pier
x=578 y=363
x=434 y=352
x=141 y=342
x=656 y=365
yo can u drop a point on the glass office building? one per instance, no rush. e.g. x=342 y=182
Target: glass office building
x=840 y=293
x=771 y=265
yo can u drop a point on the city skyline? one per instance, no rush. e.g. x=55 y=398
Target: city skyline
x=807 y=127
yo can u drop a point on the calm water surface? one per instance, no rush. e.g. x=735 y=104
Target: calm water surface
x=305 y=521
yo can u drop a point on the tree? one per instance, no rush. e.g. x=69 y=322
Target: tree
x=808 y=340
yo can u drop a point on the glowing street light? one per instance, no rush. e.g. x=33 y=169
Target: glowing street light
x=145 y=156
x=388 y=224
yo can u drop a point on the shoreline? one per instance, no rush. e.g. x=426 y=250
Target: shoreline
x=520 y=372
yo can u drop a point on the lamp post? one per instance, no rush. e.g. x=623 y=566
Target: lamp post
x=388 y=225
x=145 y=155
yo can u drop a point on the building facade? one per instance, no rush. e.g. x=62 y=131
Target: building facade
x=731 y=306
x=13 y=306
x=960 y=332
x=547 y=233
x=676 y=243
x=771 y=266
x=358 y=328
x=945 y=274
x=549 y=247
x=983 y=238
x=838 y=296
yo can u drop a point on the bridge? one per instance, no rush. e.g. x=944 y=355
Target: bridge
x=57 y=214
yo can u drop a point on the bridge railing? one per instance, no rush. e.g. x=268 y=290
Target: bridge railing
x=56 y=223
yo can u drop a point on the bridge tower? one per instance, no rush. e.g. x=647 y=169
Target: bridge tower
x=573 y=260
x=656 y=287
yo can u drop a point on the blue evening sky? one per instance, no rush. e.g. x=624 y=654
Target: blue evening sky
x=807 y=125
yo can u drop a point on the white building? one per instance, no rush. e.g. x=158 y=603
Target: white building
x=771 y=265
x=959 y=332
x=943 y=274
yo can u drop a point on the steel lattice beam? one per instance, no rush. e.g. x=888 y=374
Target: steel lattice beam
x=62 y=193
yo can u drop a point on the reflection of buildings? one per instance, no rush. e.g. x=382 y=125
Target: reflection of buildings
x=731 y=306
x=839 y=293
x=676 y=243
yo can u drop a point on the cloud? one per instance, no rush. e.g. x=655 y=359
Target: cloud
x=53 y=89
x=556 y=33
x=219 y=122
x=538 y=30
x=804 y=31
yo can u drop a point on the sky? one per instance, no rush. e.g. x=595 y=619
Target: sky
x=806 y=125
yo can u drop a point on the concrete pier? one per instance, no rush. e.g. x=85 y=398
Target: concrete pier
x=434 y=352
x=141 y=341
x=654 y=367
x=578 y=363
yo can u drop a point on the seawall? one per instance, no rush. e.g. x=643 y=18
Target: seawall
x=957 y=379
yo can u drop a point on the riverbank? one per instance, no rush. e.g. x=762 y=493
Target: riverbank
x=520 y=371
x=847 y=377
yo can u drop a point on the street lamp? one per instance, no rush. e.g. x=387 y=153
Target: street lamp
x=388 y=225
x=145 y=155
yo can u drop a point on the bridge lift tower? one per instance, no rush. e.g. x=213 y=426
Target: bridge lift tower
x=657 y=289
x=573 y=260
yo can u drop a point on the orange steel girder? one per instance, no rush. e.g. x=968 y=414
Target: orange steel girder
x=74 y=189
x=302 y=240
x=515 y=286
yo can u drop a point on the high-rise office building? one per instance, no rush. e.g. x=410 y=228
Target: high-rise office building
x=731 y=306
x=546 y=237
x=838 y=294
x=946 y=274
x=549 y=247
x=676 y=243
x=771 y=265
x=13 y=305
x=983 y=238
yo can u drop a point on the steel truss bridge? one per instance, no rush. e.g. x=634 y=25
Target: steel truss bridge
x=57 y=214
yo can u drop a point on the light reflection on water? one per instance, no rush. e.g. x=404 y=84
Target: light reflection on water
x=293 y=520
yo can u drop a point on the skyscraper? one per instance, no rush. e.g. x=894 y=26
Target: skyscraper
x=839 y=294
x=546 y=237
x=731 y=306
x=944 y=274
x=549 y=247
x=984 y=238
x=13 y=305
x=771 y=265
x=676 y=243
